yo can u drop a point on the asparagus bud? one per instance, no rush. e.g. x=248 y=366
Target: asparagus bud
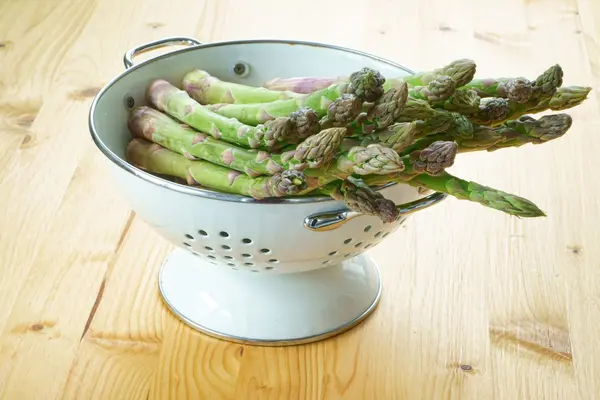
x=306 y=122
x=546 y=84
x=568 y=97
x=463 y=100
x=315 y=151
x=461 y=71
x=491 y=109
x=527 y=129
x=361 y=198
x=519 y=90
x=366 y=84
x=285 y=183
x=436 y=91
x=342 y=111
x=374 y=159
x=399 y=135
x=435 y=158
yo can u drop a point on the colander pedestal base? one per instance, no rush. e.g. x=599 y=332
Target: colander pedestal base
x=268 y=308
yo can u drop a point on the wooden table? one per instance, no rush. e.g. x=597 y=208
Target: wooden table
x=476 y=304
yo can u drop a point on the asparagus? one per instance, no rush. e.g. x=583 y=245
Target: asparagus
x=315 y=151
x=461 y=71
x=491 y=109
x=432 y=160
x=514 y=133
x=475 y=192
x=177 y=103
x=463 y=100
x=361 y=198
x=517 y=89
x=381 y=114
x=435 y=92
x=435 y=120
x=365 y=85
x=302 y=84
x=208 y=89
x=159 y=160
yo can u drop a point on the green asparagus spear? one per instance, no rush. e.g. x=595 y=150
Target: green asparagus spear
x=491 y=110
x=435 y=92
x=315 y=151
x=158 y=160
x=366 y=85
x=472 y=191
x=178 y=104
x=208 y=89
x=434 y=120
x=461 y=71
x=514 y=133
x=302 y=84
x=517 y=89
x=464 y=101
x=361 y=198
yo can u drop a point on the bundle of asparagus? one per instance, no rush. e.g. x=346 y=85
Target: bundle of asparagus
x=345 y=136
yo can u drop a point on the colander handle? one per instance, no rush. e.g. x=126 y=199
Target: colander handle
x=169 y=41
x=335 y=219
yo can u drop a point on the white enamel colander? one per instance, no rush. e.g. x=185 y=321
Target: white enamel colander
x=276 y=272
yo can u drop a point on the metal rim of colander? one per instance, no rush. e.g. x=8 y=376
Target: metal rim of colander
x=208 y=193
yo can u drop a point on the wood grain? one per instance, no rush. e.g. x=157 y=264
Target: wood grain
x=476 y=305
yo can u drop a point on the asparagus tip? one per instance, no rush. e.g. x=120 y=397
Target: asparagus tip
x=435 y=158
x=367 y=84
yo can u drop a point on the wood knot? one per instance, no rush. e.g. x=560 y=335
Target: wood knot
x=5 y=44
x=155 y=25
x=37 y=327
x=83 y=94
x=466 y=367
x=445 y=28
x=575 y=249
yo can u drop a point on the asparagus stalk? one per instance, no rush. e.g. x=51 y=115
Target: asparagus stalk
x=159 y=160
x=381 y=114
x=302 y=84
x=208 y=89
x=361 y=198
x=461 y=71
x=475 y=192
x=435 y=92
x=463 y=100
x=517 y=89
x=177 y=103
x=365 y=85
x=315 y=151
x=435 y=120
x=515 y=133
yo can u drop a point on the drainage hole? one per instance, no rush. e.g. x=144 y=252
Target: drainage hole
x=246 y=240
x=347 y=241
x=231 y=264
x=212 y=257
x=226 y=247
x=224 y=234
x=273 y=260
x=265 y=251
x=203 y=232
x=254 y=270
x=187 y=235
x=187 y=244
x=386 y=235
x=357 y=245
x=369 y=245
x=333 y=253
x=347 y=255
x=208 y=248
x=269 y=267
x=368 y=228
x=228 y=258
x=196 y=254
x=246 y=255
x=378 y=234
x=326 y=261
x=248 y=263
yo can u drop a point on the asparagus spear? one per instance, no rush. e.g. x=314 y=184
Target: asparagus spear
x=491 y=109
x=517 y=89
x=302 y=84
x=463 y=100
x=435 y=120
x=159 y=160
x=361 y=198
x=366 y=85
x=515 y=133
x=177 y=103
x=208 y=89
x=153 y=125
x=381 y=114
x=472 y=191
x=461 y=71
x=435 y=92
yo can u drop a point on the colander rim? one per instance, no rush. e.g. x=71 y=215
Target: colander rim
x=208 y=193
